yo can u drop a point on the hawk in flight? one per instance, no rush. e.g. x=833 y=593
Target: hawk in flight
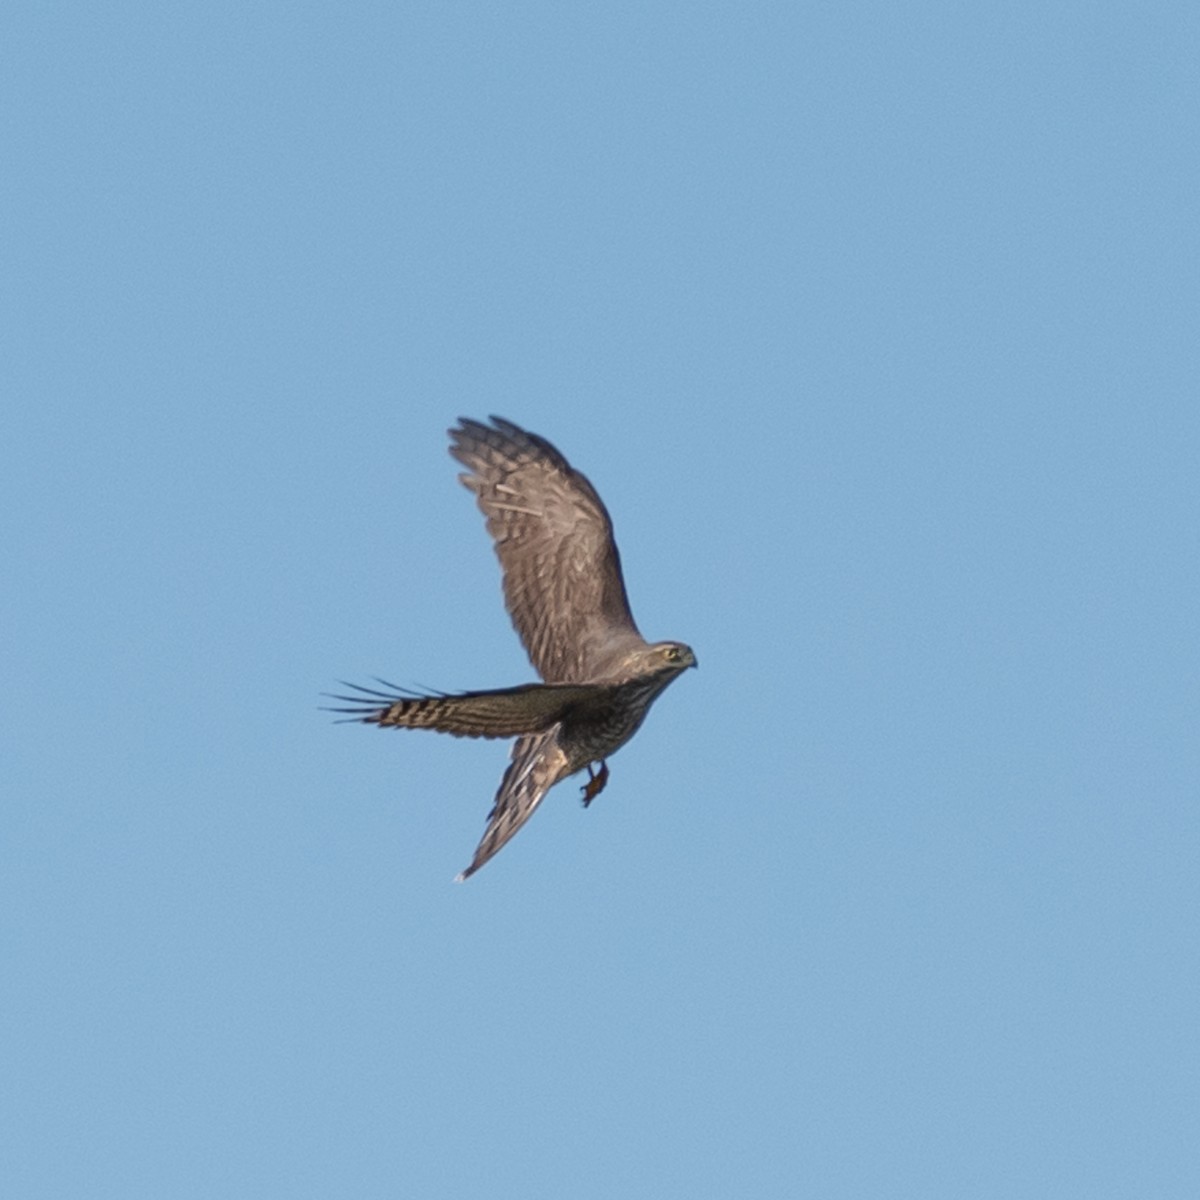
x=564 y=591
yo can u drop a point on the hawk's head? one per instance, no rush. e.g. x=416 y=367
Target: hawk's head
x=673 y=656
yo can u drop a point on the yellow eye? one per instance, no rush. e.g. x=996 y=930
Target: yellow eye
x=671 y=653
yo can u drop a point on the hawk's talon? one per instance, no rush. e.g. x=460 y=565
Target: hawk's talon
x=595 y=783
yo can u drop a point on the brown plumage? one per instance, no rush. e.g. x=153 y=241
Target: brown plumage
x=565 y=594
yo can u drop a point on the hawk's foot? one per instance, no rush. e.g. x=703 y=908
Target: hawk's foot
x=595 y=783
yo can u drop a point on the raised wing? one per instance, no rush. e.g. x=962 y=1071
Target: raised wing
x=562 y=573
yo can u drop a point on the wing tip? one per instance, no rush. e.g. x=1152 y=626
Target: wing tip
x=496 y=433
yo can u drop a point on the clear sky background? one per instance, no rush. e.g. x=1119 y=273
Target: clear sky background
x=876 y=326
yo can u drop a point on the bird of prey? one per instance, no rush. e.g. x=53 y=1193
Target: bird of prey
x=564 y=591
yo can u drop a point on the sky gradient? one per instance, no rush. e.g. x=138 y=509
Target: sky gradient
x=876 y=329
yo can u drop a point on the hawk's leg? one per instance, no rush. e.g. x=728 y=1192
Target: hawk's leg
x=595 y=783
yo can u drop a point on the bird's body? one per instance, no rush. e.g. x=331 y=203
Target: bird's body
x=565 y=594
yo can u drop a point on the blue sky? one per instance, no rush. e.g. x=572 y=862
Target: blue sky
x=876 y=328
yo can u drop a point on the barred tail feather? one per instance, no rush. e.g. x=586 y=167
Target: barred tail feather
x=503 y=713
